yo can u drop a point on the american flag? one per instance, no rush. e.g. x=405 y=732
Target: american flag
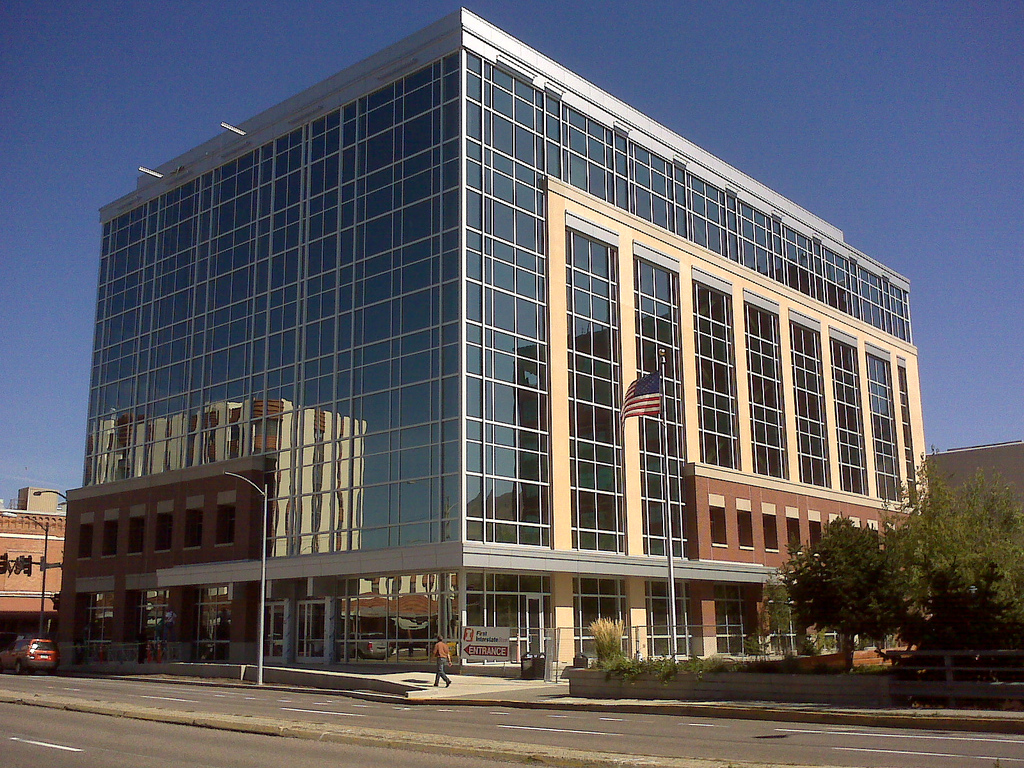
x=643 y=397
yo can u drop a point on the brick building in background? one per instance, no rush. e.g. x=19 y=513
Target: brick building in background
x=1002 y=460
x=35 y=524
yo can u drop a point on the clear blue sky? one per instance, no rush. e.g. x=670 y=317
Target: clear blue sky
x=900 y=123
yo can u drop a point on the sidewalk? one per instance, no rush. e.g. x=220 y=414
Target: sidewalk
x=415 y=686
x=482 y=691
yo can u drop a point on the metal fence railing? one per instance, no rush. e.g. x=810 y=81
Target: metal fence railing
x=120 y=653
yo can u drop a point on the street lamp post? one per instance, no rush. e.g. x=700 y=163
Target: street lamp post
x=263 y=579
x=45 y=565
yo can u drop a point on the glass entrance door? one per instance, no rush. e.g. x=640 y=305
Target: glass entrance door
x=531 y=638
x=274 y=631
x=311 y=629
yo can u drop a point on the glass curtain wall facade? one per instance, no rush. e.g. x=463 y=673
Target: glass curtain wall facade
x=594 y=353
x=506 y=326
x=849 y=423
x=300 y=300
x=657 y=604
x=909 y=456
x=809 y=399
x=764 y=374
x=883 y=427
x=601 y=160
x=716 y=376
x=656 y=298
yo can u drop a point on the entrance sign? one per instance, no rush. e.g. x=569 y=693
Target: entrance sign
x=486 y=643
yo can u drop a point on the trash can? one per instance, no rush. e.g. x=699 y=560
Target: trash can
x=532 y=666
x=580 y=661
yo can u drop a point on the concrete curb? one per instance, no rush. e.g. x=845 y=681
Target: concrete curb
x=921 y=720
x=242 y=674
x=227 y=682
x=428 y=743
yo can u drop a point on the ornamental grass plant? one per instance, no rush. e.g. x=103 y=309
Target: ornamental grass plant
x=607 y=634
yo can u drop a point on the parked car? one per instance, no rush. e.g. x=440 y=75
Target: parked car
x=30 y=654
x=372 y=646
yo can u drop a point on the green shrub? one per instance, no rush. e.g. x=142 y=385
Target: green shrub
x=622 y=667
x=663 y=668
x=718 y=664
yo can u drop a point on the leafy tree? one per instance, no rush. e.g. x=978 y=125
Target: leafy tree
x=959 y=616
x=960 y=554
x=845 y=582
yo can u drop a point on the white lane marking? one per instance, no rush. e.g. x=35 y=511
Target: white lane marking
x=557 y=715
x=362 y=706
x=704 y=725
x=902 y=735
x=558 y=730
x=170 y=698
x=613 y=719
x=998 y=760
x=46 y=744
x=499 y=713
x=321 y=712
x=285 y=701
x=444 y=710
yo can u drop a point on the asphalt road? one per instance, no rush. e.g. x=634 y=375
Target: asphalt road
x=79 y=740
x=751 y=741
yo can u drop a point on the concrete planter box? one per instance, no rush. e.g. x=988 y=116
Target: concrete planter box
x=837 y=690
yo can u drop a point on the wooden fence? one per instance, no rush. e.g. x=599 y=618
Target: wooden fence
x=955 y=678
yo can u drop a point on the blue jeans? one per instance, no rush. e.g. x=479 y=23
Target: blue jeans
x=442 y=667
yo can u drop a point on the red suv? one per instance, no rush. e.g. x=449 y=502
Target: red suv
x=30 y=654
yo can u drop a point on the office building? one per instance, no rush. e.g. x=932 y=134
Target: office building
x=408 y=302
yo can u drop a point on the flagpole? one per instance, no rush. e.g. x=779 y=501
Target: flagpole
x=667 y=508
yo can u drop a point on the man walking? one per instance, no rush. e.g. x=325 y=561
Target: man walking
x=444 y=659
